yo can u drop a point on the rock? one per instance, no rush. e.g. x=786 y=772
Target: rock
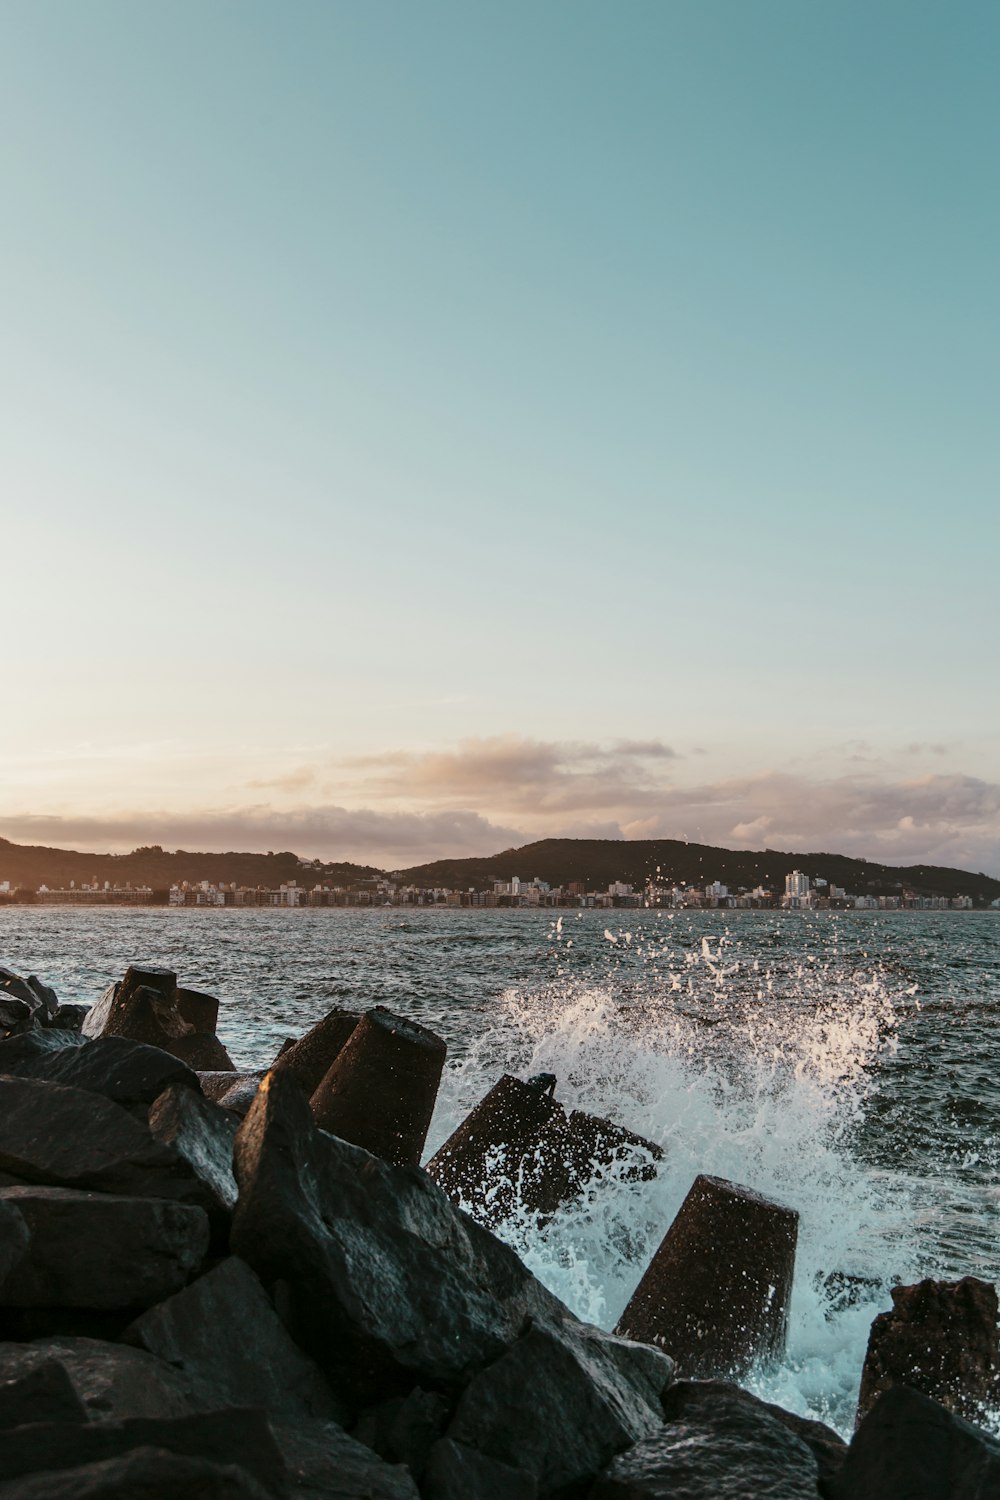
x=404 y=1429
x=704 y=1402
x=240 y=1096
x=223 y=1437
x=324 y=1463
x=67 y=1137
x=97 y=1015
x=715 y=1294
x=380 y=1091
x=199 y=1010
x=224 y=1336
x=457 y=1472
x=14 y=1238
x=127 y=1072
x=909 y=1447
x=48 y=1000
x=14 y=988
x=730 y=1451
x=110 y=1380
x=203 y=1052
x=313 y=1055
x=69 y=1017
x=141 y=1474
x=96 y=1250
x=481 y=1165
x=384 y=1281
x=940 y=1338
x=561 y=1402
x=15 y=1016
x=216 y=1083
x=202 y=1136
x=43 y=1393
x=153 y=1018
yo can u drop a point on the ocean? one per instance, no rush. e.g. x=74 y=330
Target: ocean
x=847 y=1064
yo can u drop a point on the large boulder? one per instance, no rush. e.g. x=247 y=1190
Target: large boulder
x=706 y=1401
x=144 y=1473
x=324 y=1463
x=940 y=1338
x=457 y=1472
x=97 y=1250
x=14 y=1238
x=110 y=1380
x=909 y=1447
x=384 y=1281
x=313 y=1055
x=559 y=1403
x=130 y=1073
x=718 y=1443
x=403 y=1429
x=224 y=1336
x=202 y=1136
x=41 y=1393
x=40 y=1000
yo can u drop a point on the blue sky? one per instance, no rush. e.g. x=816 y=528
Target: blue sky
x=405 y=407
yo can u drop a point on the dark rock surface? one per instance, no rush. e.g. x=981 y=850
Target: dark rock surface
x=224 y=1336
x=70 y=1017
x=324 y=1463
x=110 y=1380
x=15 y=1238
x=940 y=1338
x=909 y=1447
x=559 y=1403
x=239 y=1097
x=479 y=1164
x=98 y=1250
x=203 y=1053
x=387 y=1283
x=129 y=1073
x=198 y=1009
x=380 y=1091
x=313 y=1055
x=202 y=1136
x=42 y=1393
x=705 y=1401
x=403 y=1429
x=457 y=1472
x=215 y=1083
x=715 y=1294
x=723 y=1448
x=145 y=1473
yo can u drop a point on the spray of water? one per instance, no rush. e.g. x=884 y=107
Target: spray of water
x=754 y=1074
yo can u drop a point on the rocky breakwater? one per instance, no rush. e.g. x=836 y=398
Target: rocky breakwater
x=195 y=1303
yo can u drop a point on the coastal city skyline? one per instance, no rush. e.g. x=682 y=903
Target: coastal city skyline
x=430 y=429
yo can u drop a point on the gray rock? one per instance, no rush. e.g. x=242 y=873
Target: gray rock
x=96 y=1250
x=14 y=988
x=388 y=1285
x=224 y=1336
x=111 y=1381
x=130 y=1073
x=42 y=1393
x=323 y=1463
x=708 y=1401
x=909 y=1447
x=202 y=1136
x=69 y=1017
x=561 y=1403
x=735 y=1451
x=141 y=1474
x=97 y=1015
x=457 y=1472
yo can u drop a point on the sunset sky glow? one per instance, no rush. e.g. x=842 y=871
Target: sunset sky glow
x=424 y=428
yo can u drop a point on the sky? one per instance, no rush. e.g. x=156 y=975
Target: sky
x=425 y=428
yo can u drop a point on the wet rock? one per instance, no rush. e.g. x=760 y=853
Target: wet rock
x=481 y=1165
x=110 y=1380
x=313 y=1055
x=909 y=1447
x=224 y=1336
x=15 y=1016
x=145 y=1473
x=380 y=1091
x=69 y=1017
x=240 y=1095
x=14 y=988
x=225 y=1437
x=97 y=1250
x=940 y=1338
x=203 y=1052
x=14 y=1238
x=578 y=1150
x=140 y=1006
x=202 y=1136
x=43 y=1393
x=215 y=1084
x=404 y=1429
x=324 y=1463
x=127 y=1072
x=457 y=1472
x=560 y=1403
x=715 y=1294
x=386 y=1283
x=704 y=1402
x=733 y=1451
x=97 y=1015
x=199 y=1010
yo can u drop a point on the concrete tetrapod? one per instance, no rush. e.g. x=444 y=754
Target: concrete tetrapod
x=311 y=1057
x=481 y=1166
x=380 y=1091
x=715 y=1295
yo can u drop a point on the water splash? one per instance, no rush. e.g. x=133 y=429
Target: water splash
x=757 y=1074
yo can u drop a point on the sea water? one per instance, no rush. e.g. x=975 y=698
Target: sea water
x=847 y=1065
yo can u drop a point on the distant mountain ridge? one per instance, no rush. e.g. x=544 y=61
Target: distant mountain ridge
x=595 y=862
x=598 y=862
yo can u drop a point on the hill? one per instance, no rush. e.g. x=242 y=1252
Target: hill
x=598 y=862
